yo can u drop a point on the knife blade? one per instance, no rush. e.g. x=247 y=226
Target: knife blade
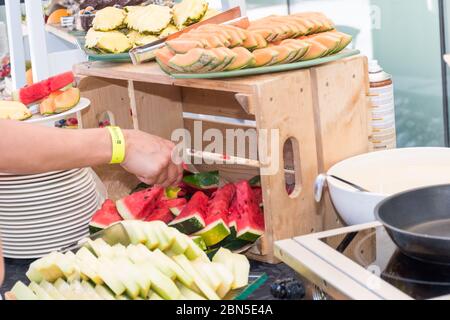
x=146 y=53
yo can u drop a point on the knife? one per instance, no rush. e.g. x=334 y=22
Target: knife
x=146 y=53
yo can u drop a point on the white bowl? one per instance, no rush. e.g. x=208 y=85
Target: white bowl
x=384 y=173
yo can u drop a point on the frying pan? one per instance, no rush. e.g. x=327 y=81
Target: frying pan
x=418 y=221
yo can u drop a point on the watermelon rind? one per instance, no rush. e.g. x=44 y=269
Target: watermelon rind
x=95 y=227
x=198 y=240
x=124 y=212
x=189 y=225
x=214 y=233
x=205 y=180
x=249 y=234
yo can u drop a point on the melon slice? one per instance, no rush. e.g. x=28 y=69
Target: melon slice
x=181 y=274
x=192 y=61
x=188 y=293
x=217 y=60
x=160 y=283
x=66 y=100
x=332 y=42
x=225 y=56
x=216 y=217
x=244 y=58
x=183 y=45
x=226 y=277
x=105 y=216
x=285 y=53
x=264 y=57
x=163 y=57
x=302 y=47
x=210 y=40
x=40 y=293
x=140 y=204
x=316 y=50
x=104 y=292
x=308 y=25
x=51 y=290
x=346 y=40
x=251 y=43
x=214 y=37
x=262 y=42
x=267 y=33
x=192 y=218
x=213 y=28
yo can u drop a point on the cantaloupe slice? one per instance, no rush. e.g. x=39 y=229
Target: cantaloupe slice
x=234 y=37
x=241 y=32
x=217 y=60
x=266 y=32
x=214 y=28
x=264 y=57
x=214 y=36
x=163 y=57
x=251 y=43
x=311 y=27
x=192 y=61
x=209 y=41
x=346 y=40
x=302 y=47
x=317 y=50
x=329 y=41
x=284 y=53
x=262 y=42
x=224 y=56
x=243 y=59
x=183 y=45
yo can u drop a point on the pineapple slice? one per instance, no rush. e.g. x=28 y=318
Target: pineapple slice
x=171 y=29
x=109 y=18
x=151 y=19
x=188 y=12
x=109 y=42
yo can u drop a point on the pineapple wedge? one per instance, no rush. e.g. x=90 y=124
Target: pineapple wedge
x=109 y=18
x=188 y=12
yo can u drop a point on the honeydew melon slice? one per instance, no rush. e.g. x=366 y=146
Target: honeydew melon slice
x=40 y=293
x=72 y=272
x=51 y=290
x=64 y=289
x=181 y=275
x=90 y=290
x=114 y=279
x=165 y=241
x=142 y=280
x=134 y=231
x=198 y=240
x=22 y=292
x=104 y=293
x=101 y=248
x=119 y=251
x=131 y=287
x=154 y=297
x=33 y=274
x=151 y=235
x=208 y=273
x=224 y=256
x=48 y=268
x=241 y=270
x=179 y=244
x=194 y=252
x=148 y=257
x=226 y=277
x=188 y=293
x=161 y=284
x=88 y=265
x=77 y=292
x=202 y=285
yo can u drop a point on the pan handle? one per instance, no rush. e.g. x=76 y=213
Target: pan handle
x=319 y=185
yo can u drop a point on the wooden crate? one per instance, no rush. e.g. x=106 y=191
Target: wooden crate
x=321 y=112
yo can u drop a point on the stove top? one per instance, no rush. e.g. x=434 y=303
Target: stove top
x=362 y=262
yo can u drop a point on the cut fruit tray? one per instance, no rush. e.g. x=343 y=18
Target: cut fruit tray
x=117 y=234
x=270 y=69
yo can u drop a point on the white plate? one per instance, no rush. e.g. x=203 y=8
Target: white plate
x=45 y=194
x=51 y=186
x=44 y=243
x=33 y=238
x=12 y=176
x=39 y=119
x=50 y=220
x=46 y=208
x=26 y=204
x=42 y=181
x=28 y=254
x=30 y=234
x=25 y=179
x=84 y=214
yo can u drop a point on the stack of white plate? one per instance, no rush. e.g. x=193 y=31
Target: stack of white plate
x=384 y=134
x=45 y=212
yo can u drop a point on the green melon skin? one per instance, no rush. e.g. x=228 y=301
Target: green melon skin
x=203 y=61
x=214 y=233
x=198 y=240
x=249 y=234
x=93 y=228
x=189 y=225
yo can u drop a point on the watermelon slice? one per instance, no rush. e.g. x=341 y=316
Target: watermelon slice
x=42 y=89
x=207 y=182
x=106 y=216
x=216 y=217
x=246 y=217
x=139 y=205
x=192 y=218
x=165 y=209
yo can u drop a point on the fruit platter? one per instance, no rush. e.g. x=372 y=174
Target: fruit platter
x=271 y=44
x=48 y=100
x=143 y=261
x=115 y=31
x=214 y=216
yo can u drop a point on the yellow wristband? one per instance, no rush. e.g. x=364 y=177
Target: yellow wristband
x=118 y=145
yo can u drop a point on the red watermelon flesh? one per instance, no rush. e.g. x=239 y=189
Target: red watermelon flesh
x=105 y=216
x=217 y=216
x=60 y=81
x=192 y=218
x=258 y=195
x=161 y=214
x=42 y=89
x=139 y=205
x=245 y=214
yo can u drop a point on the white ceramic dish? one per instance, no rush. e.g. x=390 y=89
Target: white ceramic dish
x=26 y=204
x=49 y=193
x=51 y=186
x=41 y=210
x=45 y=235
x=11 y=177
x=31 y=179
x=31 y=183
x=50 y=216
x=382 y=90
x=385 y=173
x=45 y=243
x=83 y=214
x=49 y=121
